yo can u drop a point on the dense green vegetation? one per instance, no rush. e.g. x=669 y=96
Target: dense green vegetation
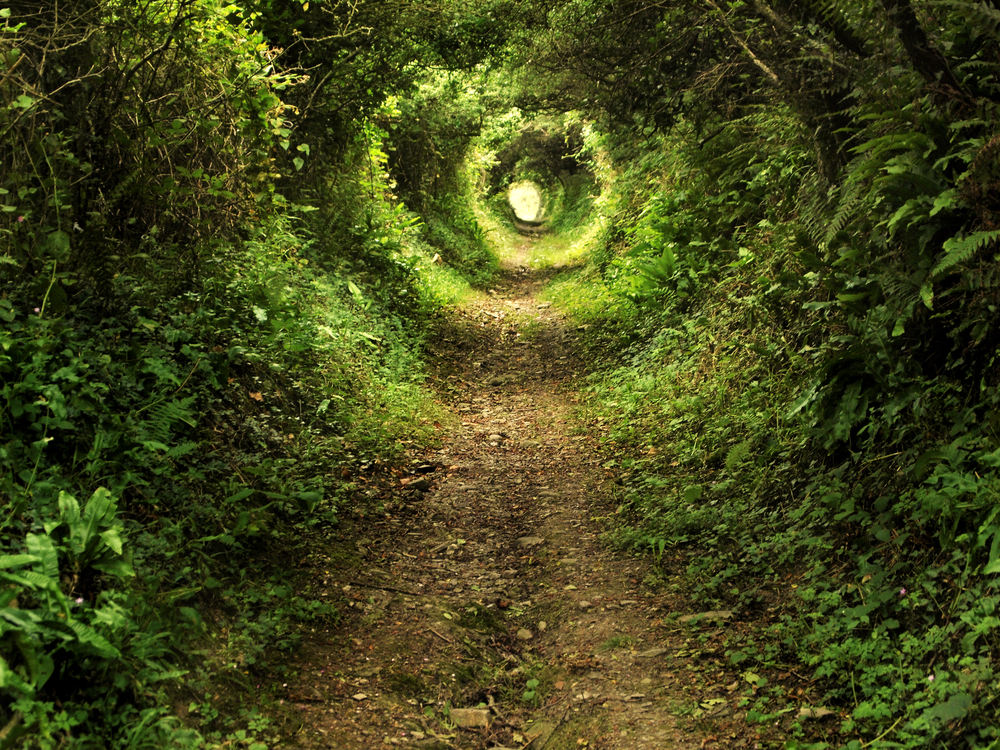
x=217 y=229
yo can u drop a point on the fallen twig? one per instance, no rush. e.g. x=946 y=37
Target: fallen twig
x=444 y=638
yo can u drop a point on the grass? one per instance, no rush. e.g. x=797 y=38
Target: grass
x=616 y=642
x=444 y=286
x=564 y=249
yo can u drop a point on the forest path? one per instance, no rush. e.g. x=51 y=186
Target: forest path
x=482 y=609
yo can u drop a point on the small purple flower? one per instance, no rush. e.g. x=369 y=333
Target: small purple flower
x=931 y=678
x=902 y=592
x=20 y=219
x=38 y=309
x=79 y=600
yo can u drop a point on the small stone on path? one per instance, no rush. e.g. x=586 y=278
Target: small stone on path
x=714 y=616
x=530 y=541
x=525 y=635
x=470 y=717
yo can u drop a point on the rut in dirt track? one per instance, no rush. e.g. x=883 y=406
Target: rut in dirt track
x=483 y=612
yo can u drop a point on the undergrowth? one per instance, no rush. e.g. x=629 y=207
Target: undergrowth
x=861 y=543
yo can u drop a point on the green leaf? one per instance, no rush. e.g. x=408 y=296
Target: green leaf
x=114 y=567
x=87 y=635
x=927 y=295
x=944 y=201
x=30 y=580
x=956 y=707
x=299 y=163
x=43 y=547
x=241 y=495
x=17 y=561
x=692 y=493
x=59 y=245
x=113 y=540
x=99 y=507
x=69 y=510
x=993 y=566
x=10 y=681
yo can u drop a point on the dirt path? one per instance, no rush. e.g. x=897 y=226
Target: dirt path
x=484 y=611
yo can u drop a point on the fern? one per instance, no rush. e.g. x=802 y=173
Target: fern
x=163 y=417
x=738 y=454
x=960 y=249
x=981 y=19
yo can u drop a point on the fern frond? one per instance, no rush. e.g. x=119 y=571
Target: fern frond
x=982 y=19
x=738 y=454
x=163 y=417
x=960 y=249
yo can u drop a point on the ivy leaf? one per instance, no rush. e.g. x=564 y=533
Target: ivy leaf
x=299 y=163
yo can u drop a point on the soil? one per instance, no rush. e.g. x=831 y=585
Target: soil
x=481 y=608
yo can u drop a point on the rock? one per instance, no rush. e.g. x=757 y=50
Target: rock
x=359 y=696
x=530 y=541
x=530 y=443
x=583 y=605
x=425 y=469
x=497 y=381
x=714 y=616
x=651 y=653
x=525 y=635
x=421 y=484
x=496 y=437
x=815 y=712
x=471 y=717
x=539 y=732
x=542 y=626
x=568 y=561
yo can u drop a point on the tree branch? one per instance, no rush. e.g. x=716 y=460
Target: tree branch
x=746 y=47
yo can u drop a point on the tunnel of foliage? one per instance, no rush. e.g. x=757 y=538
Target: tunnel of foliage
x=218 y=223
